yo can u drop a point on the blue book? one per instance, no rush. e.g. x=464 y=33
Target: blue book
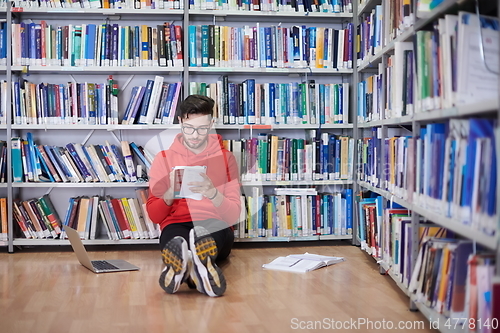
x=137 y=45
x=59 y=44
x=204 y=45
x=104 y=43
x=295 y=106
x=140 y=155
x=322 y=103
x=53 y=153
x=268 y=47
x=349 y=212
x=250 y=105
x=138 y=98
x=3 y=40
x=128 y=110
x=114 y=219
x=87 y=176
x=45 y=174
x=17 y=163
x=233 y=100
x=91 y=33
x=71 y=207
x=32 y=42
x=262 y=47
x=121 y=161
x=145 y=102
x=35 y=163
x=172 y=87
x=24 y=42
x=192 y=45
x=272 y=97
x=305 y=45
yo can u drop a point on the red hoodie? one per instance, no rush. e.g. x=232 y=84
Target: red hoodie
x=221 y=169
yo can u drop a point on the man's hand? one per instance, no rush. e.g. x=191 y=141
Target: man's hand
x=168 y=197
x=205 y=187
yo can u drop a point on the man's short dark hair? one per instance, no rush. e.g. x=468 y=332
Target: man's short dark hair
x=196 y=104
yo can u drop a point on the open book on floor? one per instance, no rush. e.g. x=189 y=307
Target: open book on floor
x=301 y=263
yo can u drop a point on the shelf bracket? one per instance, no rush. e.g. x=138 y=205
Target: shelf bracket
x=115 y=137
x=84 y=142
x=127 y=82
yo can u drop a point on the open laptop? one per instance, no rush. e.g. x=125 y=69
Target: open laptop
x=96 y=266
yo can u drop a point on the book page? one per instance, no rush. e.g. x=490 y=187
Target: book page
x=293 y=265
x=185 y=175
x=316 y=257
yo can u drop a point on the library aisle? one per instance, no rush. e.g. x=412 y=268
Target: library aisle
x=52 y=292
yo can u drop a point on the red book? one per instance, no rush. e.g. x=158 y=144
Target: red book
x=120 y=216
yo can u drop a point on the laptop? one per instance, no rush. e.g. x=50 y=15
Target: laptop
x=96 y=266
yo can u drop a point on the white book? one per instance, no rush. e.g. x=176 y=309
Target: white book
x=154 y=99
x=477 y=79
x=139 y=222
x=302 y=263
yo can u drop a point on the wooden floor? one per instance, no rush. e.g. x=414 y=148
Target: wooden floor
x=50 y=293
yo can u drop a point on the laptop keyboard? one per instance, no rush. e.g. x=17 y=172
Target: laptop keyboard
x=103 y=265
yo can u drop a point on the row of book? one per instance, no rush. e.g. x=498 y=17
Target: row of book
x=276 y=103
x=323 y=156
x=37 y=218
x=301 y=6
x=380 y=26
x=275 y=46
x=92 y=217
x=385 y=233
x=449 y=168
x=446 y=276
x=155 y=103
x=295 y=212
x=71 y=103
x=75 y=162
x=116 y=218
x=331 y=6
x=454 y=279
x=420 y=75
x=105 y=4
x=471 y=42
x=43 y=44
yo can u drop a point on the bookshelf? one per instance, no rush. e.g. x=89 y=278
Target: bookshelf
x=377 y=66
x=128 y=75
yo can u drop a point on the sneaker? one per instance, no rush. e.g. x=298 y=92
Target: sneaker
x=176 y=258
x=207 y=277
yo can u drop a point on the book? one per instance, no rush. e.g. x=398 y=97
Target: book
x=184 y=175
x=302 y=263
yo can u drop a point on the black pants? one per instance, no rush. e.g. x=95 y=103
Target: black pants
x=222 y=234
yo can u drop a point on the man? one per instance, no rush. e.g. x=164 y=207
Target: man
x=206 y=223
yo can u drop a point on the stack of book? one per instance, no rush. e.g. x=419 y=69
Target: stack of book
x=271 y=47
x=293 y=103
x=301 y=6
x=75 y=162
x=155 y=103
x=42 y=44
x=268 y=157
x=105 y=4
x=296 y=212
x=455 y=281
x=115 y=218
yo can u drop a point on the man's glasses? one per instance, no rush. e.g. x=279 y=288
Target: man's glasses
x=190 y=130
